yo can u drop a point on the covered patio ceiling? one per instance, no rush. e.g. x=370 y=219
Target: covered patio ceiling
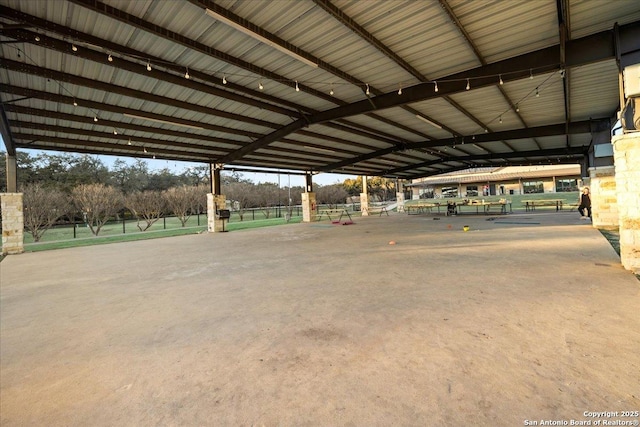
x=400 y=89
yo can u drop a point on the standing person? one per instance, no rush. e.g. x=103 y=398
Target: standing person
x=585 y=204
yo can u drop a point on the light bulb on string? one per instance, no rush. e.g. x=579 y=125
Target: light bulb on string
x=517 y=108
x=500 y=119
x=129 y=143
x=110 y=58
x=331 y=91
x=501 y=81
x=95 y=118
x=75 y=103
x=74 y=47
x=186 y=74
x=37 y=38
x=224 y=79
x=468 y=85
x=297 y=87
x=368 y=92
x=149 y=66
x=260 y=85
x=400 y=90
x=435 y=89
x=115 y=132
x=144 y=149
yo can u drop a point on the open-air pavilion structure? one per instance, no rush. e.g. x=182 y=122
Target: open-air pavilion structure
x=400 y=89
x=375 y=88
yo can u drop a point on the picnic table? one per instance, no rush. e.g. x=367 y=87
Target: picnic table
x=530 y=205
x=375 y=209
x=333 y=213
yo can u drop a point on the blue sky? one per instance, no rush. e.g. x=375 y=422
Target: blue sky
x=179 y=167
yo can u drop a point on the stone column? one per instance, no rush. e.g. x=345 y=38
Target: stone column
x=308 y=207
x=12 y=223
x=400 y=197
x=626 y=152
x=364 y=197
x=604 y=200
x=214 y=203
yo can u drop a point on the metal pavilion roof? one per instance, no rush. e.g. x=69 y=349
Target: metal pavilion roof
x=341 y=86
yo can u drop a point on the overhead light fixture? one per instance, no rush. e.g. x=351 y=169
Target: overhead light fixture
x=75 y=103
x=260 y=85
x=37 y=38
x=331 y=91
x=424 y=119
x=133 y=116
x=74 y=48
x=95 y=118
x=110 y=58
x=468 y=85
x=186 y=74
x=258 y=37
x=435 y=89
x=501 y=81
x=400 y=90
x=297 y=87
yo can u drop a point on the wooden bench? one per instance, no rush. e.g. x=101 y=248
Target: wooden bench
x=370 y=210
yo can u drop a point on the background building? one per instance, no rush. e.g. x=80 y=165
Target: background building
x=499 y=181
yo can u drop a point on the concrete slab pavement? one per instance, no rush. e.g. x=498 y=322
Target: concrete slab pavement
x=525 y=317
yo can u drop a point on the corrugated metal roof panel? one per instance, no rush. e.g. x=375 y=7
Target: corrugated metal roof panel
x=591 y=94
x=588 y=16
x=504 y=29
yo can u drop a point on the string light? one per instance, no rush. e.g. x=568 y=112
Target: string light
x=95 y=118
x=436 y=86
x=129 y=143
x=37 y=38
x=149 y=66
x=400 y=90
x=186 y=74
x=530 y=74
x=74 y=48
x=331 y=91
x=368 y=92
x=115 y=132
x=75 y=104
x=297 y=87
x=144 y=149
x=500 y=119
x=224 y=79
x=468 y=85
x=260 y=86
x=501 y=81
x=110 y=58
x=517 y=108
x=537 y=93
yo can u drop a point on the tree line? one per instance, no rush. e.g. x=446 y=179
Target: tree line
x=73 y=187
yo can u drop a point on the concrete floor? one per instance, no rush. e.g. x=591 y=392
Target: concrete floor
x=524 y=317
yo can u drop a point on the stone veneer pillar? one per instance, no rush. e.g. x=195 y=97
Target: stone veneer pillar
x=604 y=199
x=400 y=201
x=12 y=223
x=214 y=203
x=308 y=207
x=364 y=197
x=626 y=152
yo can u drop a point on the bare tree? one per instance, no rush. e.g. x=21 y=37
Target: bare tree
x=267 y=196
x=241 y=196
x=147 y=206
x=98 y=203
x=182 y=200
x=331 y=194
x=42 y=208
